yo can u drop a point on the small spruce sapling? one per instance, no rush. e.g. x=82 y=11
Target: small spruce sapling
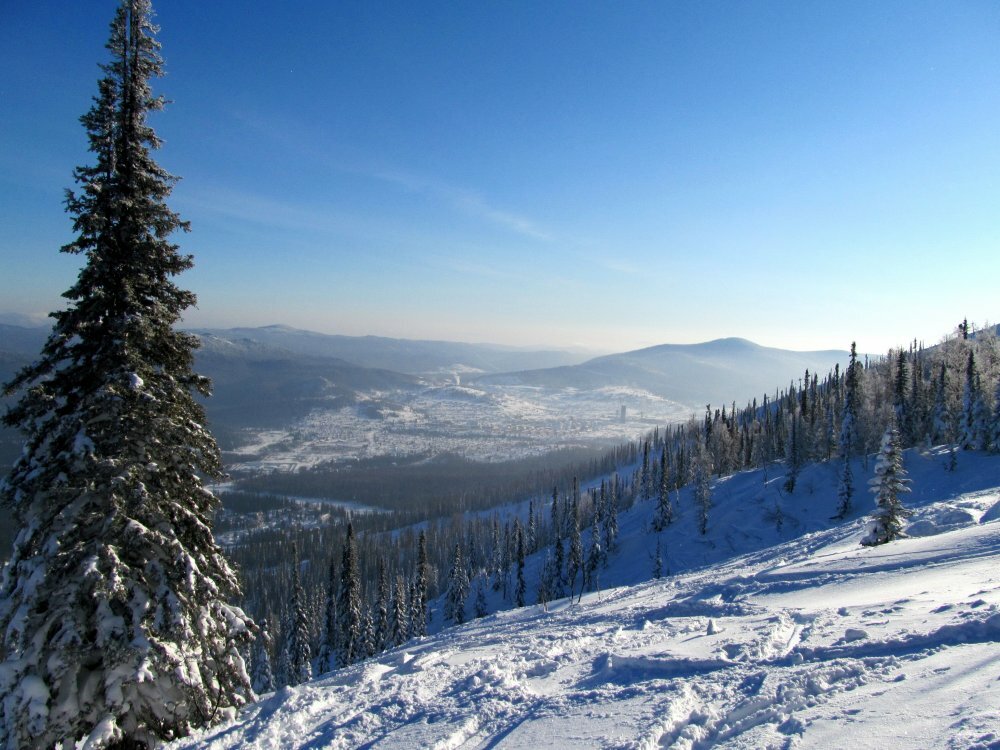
x=889 y=482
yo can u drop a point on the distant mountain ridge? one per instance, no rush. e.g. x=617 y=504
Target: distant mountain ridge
x=257 y=384
x=716 y=371
x=408 y=356
x=274 y=375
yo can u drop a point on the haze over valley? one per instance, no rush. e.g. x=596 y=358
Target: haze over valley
x=285 y=399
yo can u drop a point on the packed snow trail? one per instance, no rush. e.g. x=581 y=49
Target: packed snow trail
x=816 y=642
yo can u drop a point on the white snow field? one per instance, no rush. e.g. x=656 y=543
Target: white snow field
x=793 y=638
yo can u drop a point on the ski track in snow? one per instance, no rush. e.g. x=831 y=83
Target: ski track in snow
x=812 y=643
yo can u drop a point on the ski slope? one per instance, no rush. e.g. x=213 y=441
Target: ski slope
x=802 y=639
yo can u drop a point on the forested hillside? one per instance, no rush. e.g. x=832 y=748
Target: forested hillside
x=478 y=560
x=772 y=626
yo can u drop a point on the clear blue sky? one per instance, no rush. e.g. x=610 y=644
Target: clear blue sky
x=611 y=175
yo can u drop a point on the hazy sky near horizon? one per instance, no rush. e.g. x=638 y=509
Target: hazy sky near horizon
x=611 y=175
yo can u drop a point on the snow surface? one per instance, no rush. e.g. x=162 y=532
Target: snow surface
x=796 y=637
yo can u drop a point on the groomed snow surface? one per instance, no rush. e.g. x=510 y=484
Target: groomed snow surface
x=795 y=637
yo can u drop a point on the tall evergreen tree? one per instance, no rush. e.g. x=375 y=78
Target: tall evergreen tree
x=544 y=593
x=481 y=607
x=381 y=620
x=496 y=555
x=262 y=675
x=521 y=587
x=458 y=589
x=574 y=562
x=849 y=417
x=974 y=426
x=368 y=638
x=296 y=653
x=793 y=453
x=400 y=630
x=531 y=533
x=658 y=560
x=942 y=422
x=595 y=554
x=113 y=607
x=418 y=591
x=702 y=485
x=610 y=518
x=327 y=659
x=557 y=526
x=645 y=476
x=900 y=386
x=848 y=435
x=845 y=488
x=664 y=514
x=350 y=625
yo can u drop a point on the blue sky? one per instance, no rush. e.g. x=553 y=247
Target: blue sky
x=610 y=175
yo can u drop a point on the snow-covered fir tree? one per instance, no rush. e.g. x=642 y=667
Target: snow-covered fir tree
x=848 y=435
x=544 y=592
x=368 y=636
x=350 y=624
x=900 y=391
x=531 y=532
x=496 y=555
x=326 y=661
x=645 y=475
x=793 y=454
x=702 y=485
x=458 y=589
x=418 y=591
x=480 y=607
x=506 y=558
x=556 y=519
x=595 y=555
x=400 y=621
x=520 y=547
x=664 y=514
x=942 y=422
x=557 y=589
x=261 y=673
x=114 y=614
x=975 y=418
x=845 y=488
x=889 y=482
x=575 y=561
x=610 y=528
x=382 y=596
x=296 y=655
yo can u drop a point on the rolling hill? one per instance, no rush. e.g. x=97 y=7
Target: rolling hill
x=693 y=374
x=413 y=357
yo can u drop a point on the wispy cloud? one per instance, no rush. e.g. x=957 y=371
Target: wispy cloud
x=255 y=208
x=297 y=137
x=620 y=265
x=472 y=268
x=465 y=200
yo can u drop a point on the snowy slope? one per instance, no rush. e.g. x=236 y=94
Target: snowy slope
x=810 y=642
